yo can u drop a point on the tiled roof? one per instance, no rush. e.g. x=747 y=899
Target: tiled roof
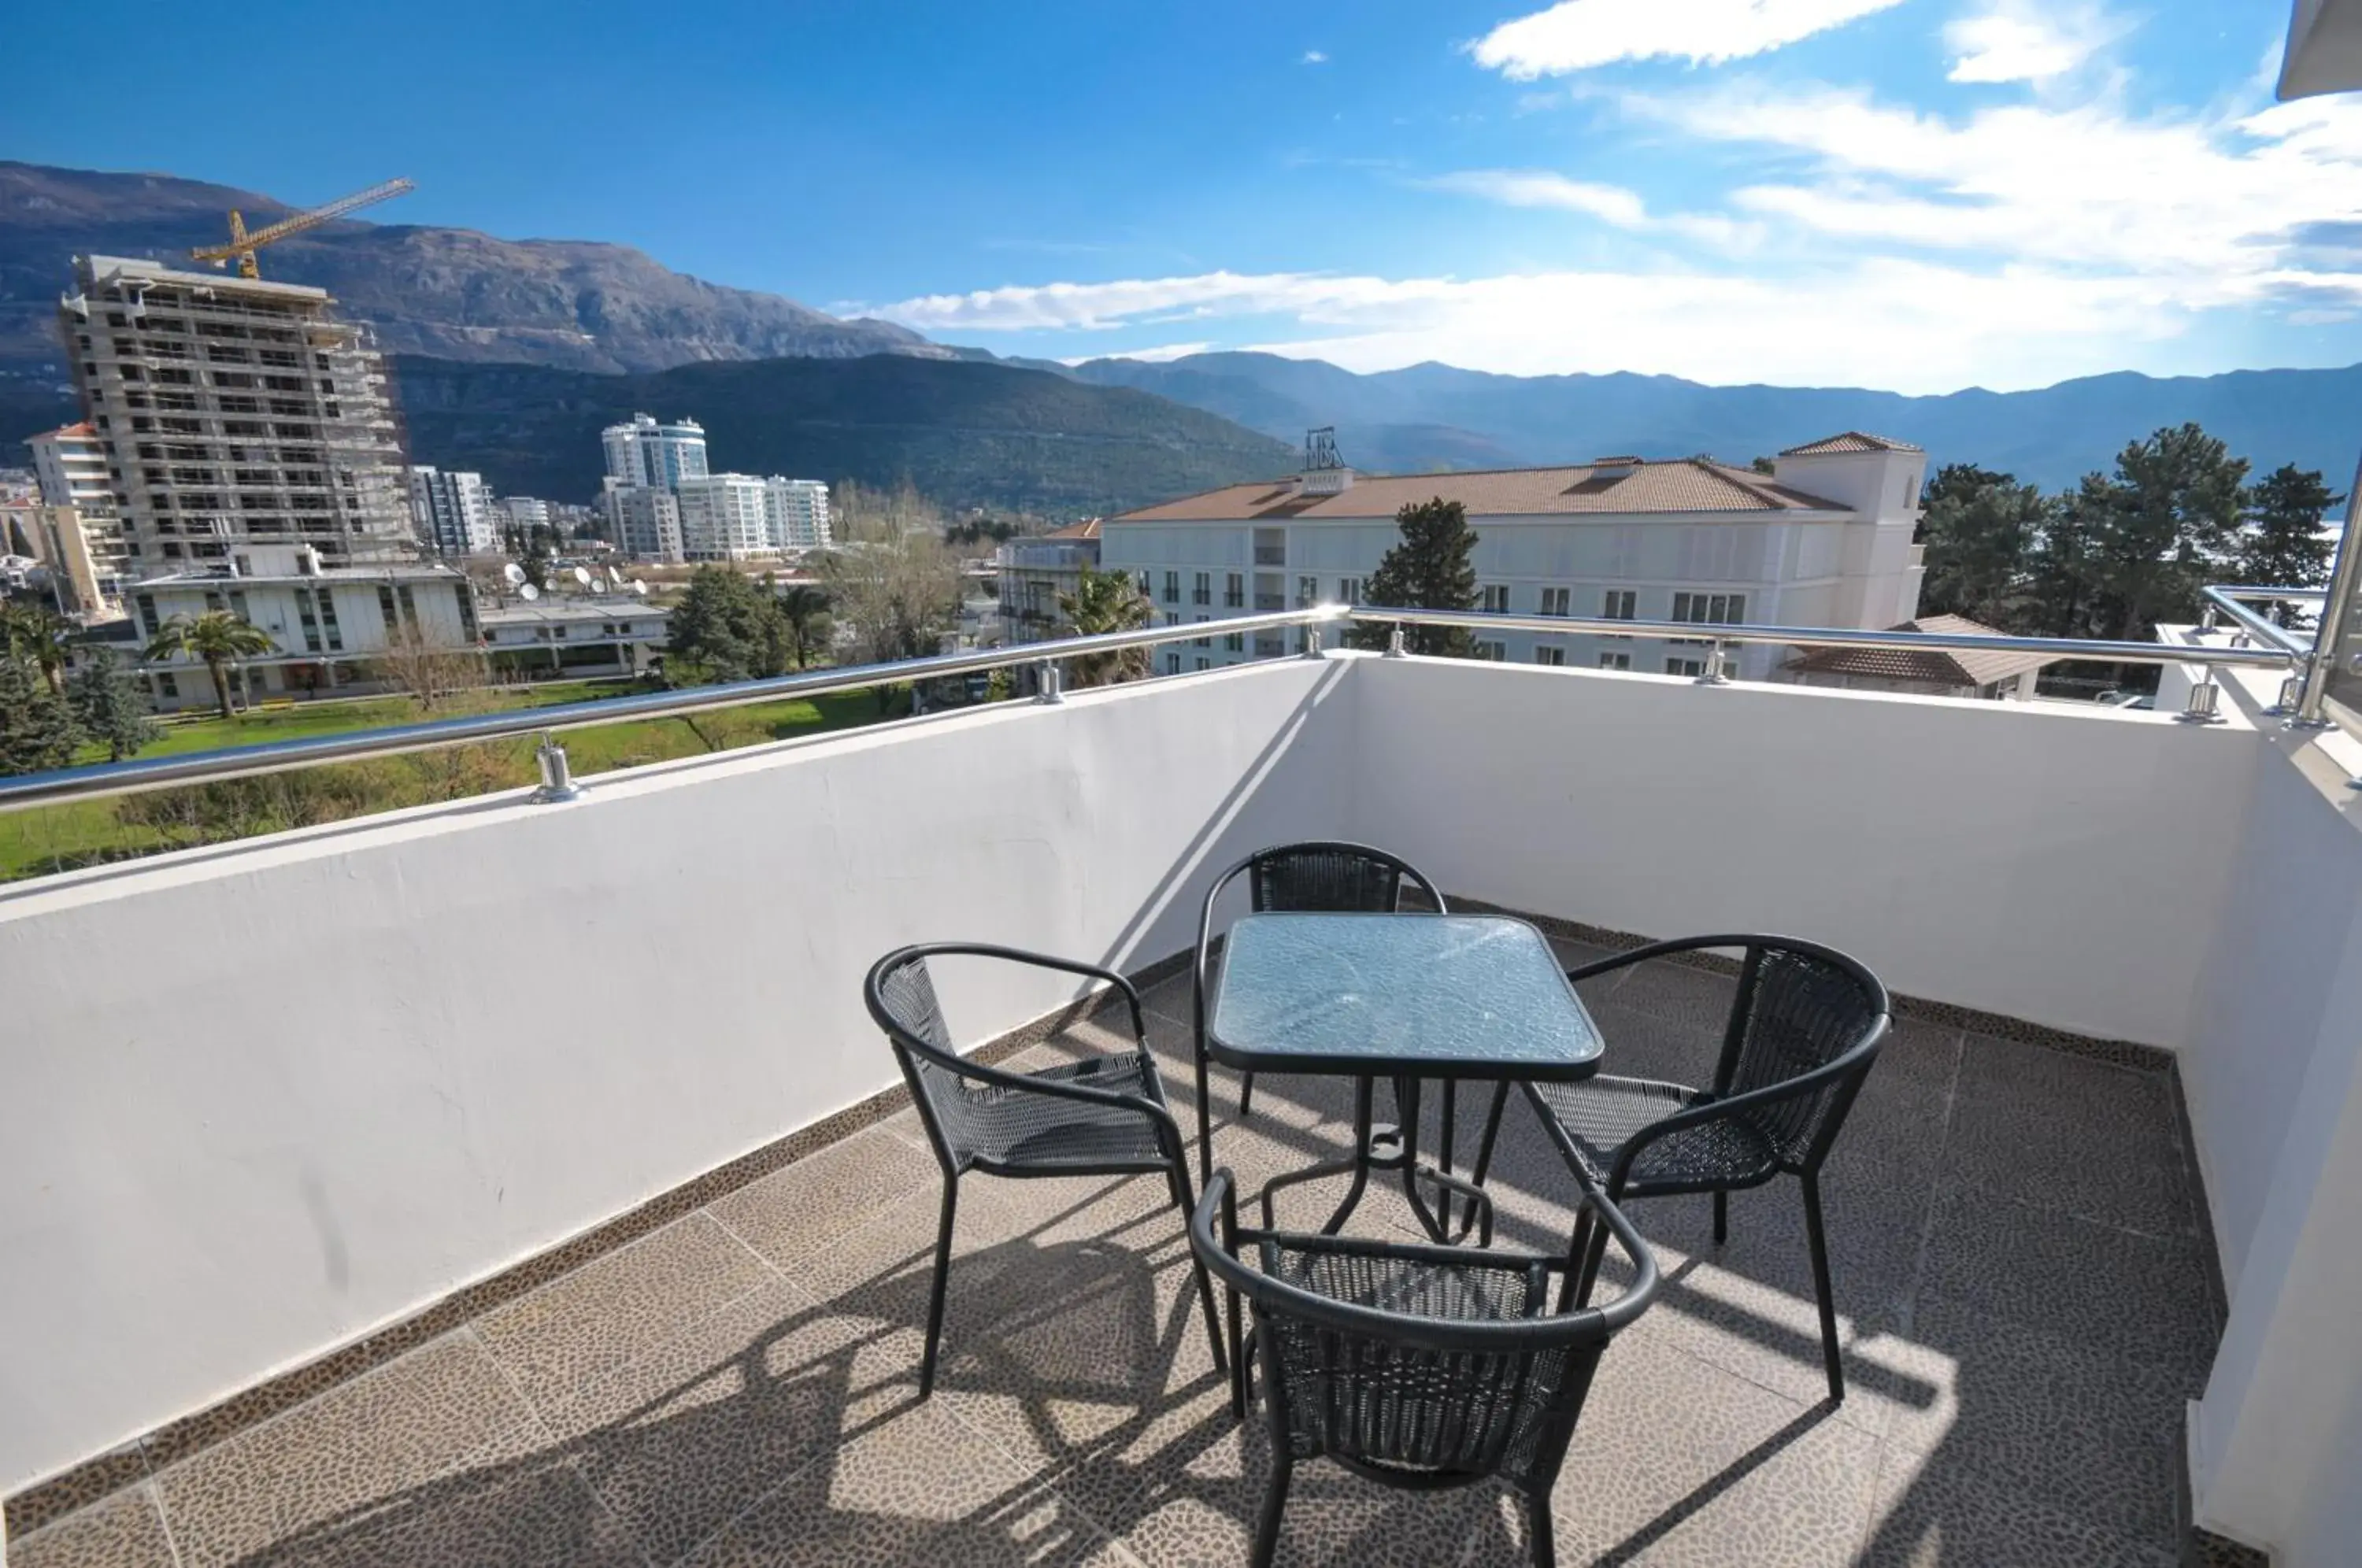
x=1932 y=666
x=1850 y=441
x=1086 y=529
x=1684 y=484
x=71 y=430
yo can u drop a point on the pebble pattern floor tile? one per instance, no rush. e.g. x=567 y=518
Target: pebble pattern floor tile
x=2018 y=1284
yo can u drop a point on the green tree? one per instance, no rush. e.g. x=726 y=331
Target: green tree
x=728 y=627
x=217 y=638
x=1430 y=570
x=35 y=633
x=1980 y=530
x=2171 y=514
x=37 y=727
x=804 y=616
x=2280 y=544
x=110 y=711
x=1107 y=602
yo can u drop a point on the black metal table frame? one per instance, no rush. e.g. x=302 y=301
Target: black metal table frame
x=1400 y=1153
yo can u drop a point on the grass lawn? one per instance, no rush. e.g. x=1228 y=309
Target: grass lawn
x=300 y=721
x=52 y=838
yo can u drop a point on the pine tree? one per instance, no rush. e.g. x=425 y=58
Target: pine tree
x=110 y=711
x=1430 y=569
x=37 y=727
x=2280 y=544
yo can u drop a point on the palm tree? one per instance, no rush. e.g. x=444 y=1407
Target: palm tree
x=803 y=610
x=218 y=637
x=1107 y=602
x=37 y=634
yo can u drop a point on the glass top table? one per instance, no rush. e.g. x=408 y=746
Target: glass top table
x=1452 y=996
x=1407 y=997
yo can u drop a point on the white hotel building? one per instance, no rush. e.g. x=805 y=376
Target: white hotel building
x=1824 y=540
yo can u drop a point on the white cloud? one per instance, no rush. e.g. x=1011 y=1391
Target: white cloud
x=1576 y=35
x=2014 y=40
x=1156 y=356
x=1611 y=204
x=1313 y=56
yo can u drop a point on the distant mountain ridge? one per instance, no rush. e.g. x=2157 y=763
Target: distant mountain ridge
x=452 y=292
x=1437 y=416
x=969 y=433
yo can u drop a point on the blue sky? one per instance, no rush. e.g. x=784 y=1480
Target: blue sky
x=1920 y=195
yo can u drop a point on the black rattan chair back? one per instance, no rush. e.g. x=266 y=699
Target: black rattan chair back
x=1799 y=1008
x=1417 y=1366
x=903 y=1001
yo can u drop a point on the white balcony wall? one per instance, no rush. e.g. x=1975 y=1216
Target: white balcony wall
x=2028 y=860
x=265 y=1099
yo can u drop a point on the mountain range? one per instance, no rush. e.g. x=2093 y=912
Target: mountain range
x=509 y=348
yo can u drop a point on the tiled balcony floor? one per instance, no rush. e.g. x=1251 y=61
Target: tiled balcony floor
x=2017 y=1267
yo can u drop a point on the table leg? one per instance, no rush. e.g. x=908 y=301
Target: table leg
x=1439 y=1227
x=1358 y=1163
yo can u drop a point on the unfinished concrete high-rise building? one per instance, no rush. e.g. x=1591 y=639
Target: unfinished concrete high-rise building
x=235 y=412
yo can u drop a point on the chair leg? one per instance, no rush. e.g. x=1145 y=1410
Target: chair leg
x=943 y=1273
x=1246 y=1095
x=1721 y=1218
x=1275 y=1503
x=1539 y=1531
x=1205 y=1122
x=1820 y=1246
x=1177 y=1180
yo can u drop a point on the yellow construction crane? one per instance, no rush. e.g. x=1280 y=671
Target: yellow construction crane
x=243 y=245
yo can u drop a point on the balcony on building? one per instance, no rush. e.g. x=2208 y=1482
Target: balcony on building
x=504 y=1182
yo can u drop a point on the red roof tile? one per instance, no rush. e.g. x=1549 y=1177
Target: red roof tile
x=1931 y=667
x=1686 y=485
x=1850 y=441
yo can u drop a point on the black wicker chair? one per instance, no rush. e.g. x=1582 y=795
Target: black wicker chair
x=1103 y=1116
x=1417 y=1366
x=1316 y=876
x=1804 y=1028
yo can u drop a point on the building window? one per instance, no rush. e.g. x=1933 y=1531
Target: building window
x=328 y=621
x=1689 y=667
x=1201 y=589
x=1545 y=653
x=1173 y=664
x=1308 y=592
x=1143 y=585
x=149 y=622
x=1711 y=609
x=1554 y=600
x=1350 y=590
x=1495 y=651
x=1496 y=600
x=169 y=684
x=1171 y=588
x=1202 y=662
x=1615 y=661
x=1235 y=643
x=1234 y=590
x=1620 y=604
x=1203 y=642
x=311 y=621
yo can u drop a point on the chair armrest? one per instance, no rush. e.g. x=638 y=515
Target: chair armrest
x=1046 y=961
x=1853 y=1061
x=1615 y=961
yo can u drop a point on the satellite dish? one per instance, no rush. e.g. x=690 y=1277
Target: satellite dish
x=640 y=588
x=582 y=576
x=528 y=593
x=514 y=573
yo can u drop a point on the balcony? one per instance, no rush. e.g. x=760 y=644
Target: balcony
x=515 y=1182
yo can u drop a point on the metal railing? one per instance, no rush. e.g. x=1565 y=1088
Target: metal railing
x=278 y=757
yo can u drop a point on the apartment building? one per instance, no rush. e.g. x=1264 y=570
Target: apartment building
x=795 y=513
x=233 y=413
x=724 y=517
x=583 y=634
x=644 y=522
x=1036 y=573
x=644 y=451
x=524 y=512
x=1824 y=539
x=453 y=512
x=76 y=531
x=330 y=623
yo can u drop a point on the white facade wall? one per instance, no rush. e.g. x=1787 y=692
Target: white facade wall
x=723 y=517
x=647 y=452
x=71 y=469
x=1843 y=567
x=795 y=513
x=525 y=511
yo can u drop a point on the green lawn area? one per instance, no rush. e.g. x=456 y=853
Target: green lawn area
x=300 y=721
x=52 y=838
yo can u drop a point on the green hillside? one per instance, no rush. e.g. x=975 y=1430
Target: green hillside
x=966 y=433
